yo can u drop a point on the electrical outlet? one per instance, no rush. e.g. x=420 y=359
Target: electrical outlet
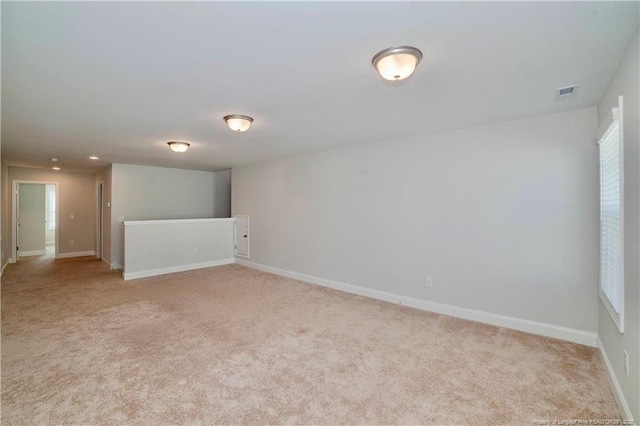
x=71 y=242
x=281 y=256
x=71 y=216
x=428 y=282
x=195 y=250
x=626 y=362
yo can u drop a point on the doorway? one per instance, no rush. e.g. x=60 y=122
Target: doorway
x=34 y=219
x=50 y=208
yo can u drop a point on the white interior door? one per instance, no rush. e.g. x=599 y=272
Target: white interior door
x=31 y=219
x=242 y=236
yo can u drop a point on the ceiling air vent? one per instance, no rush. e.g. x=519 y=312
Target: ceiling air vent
x=565 y=93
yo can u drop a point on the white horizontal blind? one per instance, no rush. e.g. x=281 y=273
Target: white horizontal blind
x=611 y=216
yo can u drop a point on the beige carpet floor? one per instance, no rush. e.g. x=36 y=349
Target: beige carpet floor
x=232 y=345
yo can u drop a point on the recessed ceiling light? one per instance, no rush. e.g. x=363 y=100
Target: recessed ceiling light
x=179 y=146
x=54 y=160
x=397 y=63
x=238 y=123
x=56 y=168
x=94 y=157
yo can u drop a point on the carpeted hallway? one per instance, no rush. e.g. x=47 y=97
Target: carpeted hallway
x=232 y=345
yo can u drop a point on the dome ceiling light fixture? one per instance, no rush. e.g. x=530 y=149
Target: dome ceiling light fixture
x=397 y=63
x=178 y=146
x=238 y=123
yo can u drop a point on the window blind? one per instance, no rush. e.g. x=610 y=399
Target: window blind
x=611 y=248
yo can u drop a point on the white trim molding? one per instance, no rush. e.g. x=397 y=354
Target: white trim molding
x=172 y=269
x=615 y=385
x=170 y=221
x=112 y=266
x=534 y=327
x=32 y=253
x=75 y=254
x=15 y=254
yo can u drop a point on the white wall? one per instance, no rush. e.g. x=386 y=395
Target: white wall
x=164 y=246
x=153 y=193
x=503 y=217
x=626 y=82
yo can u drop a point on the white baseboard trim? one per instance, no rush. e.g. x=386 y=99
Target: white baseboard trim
x=32 y=253
x=173 y=269
x=112 y=266
x=615 y=385
x=534 y=327
x=76 y=254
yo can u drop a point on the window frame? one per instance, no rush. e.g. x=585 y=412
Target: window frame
x=615 y=116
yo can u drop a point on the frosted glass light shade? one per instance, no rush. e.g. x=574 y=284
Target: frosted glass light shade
x=238 y=123
x=178 y=146
x=397 y=63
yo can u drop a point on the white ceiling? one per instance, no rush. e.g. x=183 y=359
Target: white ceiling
x=119 y=80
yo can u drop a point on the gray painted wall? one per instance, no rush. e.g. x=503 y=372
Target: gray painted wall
x=150 y=193
x=222 y=194
x=626 y=82
x=503 y=217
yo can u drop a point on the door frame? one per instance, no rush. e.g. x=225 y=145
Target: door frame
x=100 y=220
x=235 y=235
x=14 y=214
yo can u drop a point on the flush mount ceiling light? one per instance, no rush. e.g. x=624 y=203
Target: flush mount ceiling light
x=397 y=63
x=178 y=146
x=94 y=157
x=238 y=123
x=56 y=168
